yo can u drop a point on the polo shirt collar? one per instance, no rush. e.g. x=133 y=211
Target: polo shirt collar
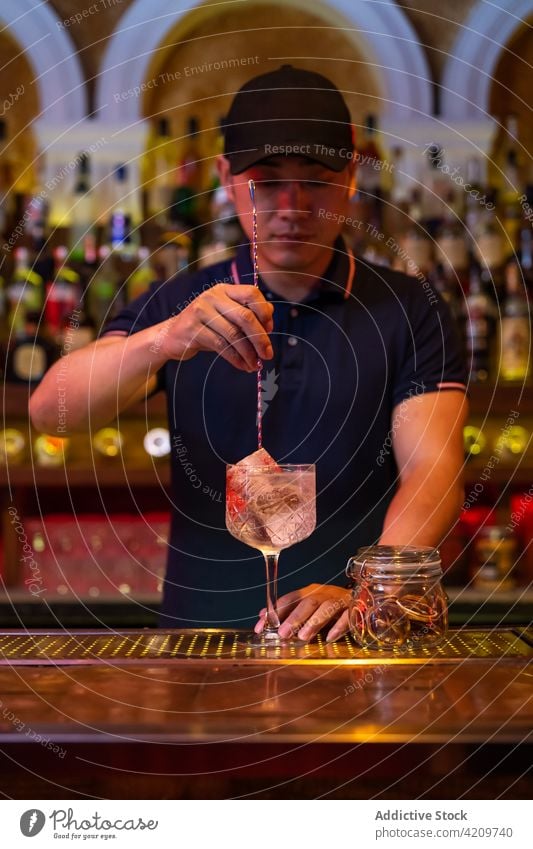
x=335 y=285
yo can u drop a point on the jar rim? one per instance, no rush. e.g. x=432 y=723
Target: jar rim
x=399 y=554
x=401 y=561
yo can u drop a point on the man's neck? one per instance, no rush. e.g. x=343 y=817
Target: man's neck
x=293 y=285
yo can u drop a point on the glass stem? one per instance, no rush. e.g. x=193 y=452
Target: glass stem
x=272 y=620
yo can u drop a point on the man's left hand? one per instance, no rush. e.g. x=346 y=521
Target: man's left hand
x=303 y=613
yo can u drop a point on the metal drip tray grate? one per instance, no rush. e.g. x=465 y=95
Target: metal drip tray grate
x=526 y=634
x=59 y=648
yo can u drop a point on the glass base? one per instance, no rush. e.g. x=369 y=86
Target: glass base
x=271 y=639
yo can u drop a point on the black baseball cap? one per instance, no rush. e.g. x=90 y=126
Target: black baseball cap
x=289 y=111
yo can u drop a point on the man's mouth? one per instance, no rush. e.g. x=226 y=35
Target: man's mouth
x=292 y=237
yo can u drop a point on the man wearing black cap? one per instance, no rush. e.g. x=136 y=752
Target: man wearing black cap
x=363 y=374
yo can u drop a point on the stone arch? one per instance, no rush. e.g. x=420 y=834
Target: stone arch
x=382 y=32
x=470 y=67
x=52 y=55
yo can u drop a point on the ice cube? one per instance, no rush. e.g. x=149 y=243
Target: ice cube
x=274 y=506
x=259 y=458
x=280 y=510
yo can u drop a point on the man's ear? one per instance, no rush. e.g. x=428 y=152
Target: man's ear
x=225 y=176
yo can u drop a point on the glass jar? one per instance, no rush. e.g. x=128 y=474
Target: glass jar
x=397 y=597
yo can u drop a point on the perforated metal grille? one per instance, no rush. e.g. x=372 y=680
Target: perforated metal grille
x=88 y=647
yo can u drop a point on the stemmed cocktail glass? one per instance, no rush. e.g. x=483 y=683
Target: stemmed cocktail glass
x=271 y=508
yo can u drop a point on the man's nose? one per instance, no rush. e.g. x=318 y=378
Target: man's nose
x=294 y=199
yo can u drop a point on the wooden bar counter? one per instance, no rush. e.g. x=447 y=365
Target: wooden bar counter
x=203 y=714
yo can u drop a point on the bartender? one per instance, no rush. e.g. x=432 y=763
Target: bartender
x=362 y=371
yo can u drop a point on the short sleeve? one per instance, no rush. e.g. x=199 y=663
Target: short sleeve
x=145 y=311
x=430 y=358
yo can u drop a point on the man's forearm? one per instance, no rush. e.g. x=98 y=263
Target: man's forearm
x=87 y=388
x=423 y=509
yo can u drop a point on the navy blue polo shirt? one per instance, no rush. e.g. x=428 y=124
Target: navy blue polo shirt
x=344 y=358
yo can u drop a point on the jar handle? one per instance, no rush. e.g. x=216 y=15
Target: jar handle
x=358 y=571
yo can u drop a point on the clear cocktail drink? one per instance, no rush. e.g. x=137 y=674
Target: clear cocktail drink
x=270 y=507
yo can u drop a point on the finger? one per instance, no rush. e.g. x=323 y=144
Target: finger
x=256 y=304
x=299 y=616
x=246 y=321
x=330 y=609
x=252 y=298
x=284 y=606
x=234 y=339
x=248 y=297
x=208 y=340
x=288 y=602
x=341 y=626
x=294 y=597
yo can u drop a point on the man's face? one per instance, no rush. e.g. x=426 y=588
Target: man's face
x=299 y=203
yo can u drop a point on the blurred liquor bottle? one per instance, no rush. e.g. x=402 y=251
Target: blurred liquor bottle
x=222 y=230
x=525 y=255
x=370 y=165
x=479 y=326
x=157 y=171
x=452 y=248
x=63 y=294
x=495 y=559
x=4 y=313
x=415 y=249
x=515 y=327
x=140 y=279
x=26 y=350
x=434 y=188
x=77 y=330
x=490 y=251
x=36 y=217
x=507 y=164
x=122 y=238
x=397 y=185
x=476 y=199
x=29 y=351
x=24 y=293
x=7 y=179
x=103 y=292
x=82 y=224
x=188 y=208
x=370 y=157
x=217 y=149
x=447 y=283
x=173 y=255
x=512 y=171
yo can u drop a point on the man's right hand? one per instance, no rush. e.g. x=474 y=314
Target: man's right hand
x=233 y=321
